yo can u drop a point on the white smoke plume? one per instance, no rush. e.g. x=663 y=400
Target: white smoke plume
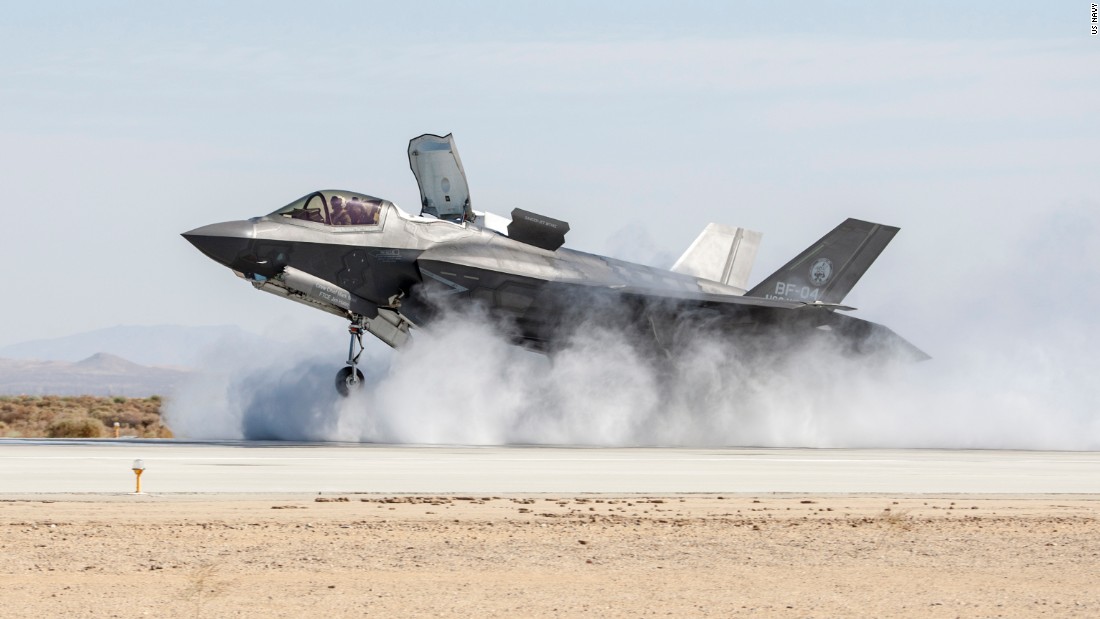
x=460 y=382
x=1015 y=368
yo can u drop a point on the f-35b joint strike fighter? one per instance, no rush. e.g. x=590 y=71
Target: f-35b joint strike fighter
x=385 y=271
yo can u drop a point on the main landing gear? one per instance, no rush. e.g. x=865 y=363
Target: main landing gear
x=350 y=378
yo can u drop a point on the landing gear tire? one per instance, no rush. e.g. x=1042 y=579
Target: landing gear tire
x=349 y=379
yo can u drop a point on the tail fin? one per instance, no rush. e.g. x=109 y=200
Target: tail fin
x=721 y=254
x=829 y=268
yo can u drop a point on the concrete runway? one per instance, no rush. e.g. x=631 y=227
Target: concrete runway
x=103 y=466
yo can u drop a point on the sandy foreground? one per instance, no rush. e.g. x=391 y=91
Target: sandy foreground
x=549 y=556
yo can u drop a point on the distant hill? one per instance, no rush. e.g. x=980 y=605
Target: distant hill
x=164 y=345
x=100 y=374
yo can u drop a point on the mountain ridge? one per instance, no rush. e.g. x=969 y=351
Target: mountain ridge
x=101 y=374
x=167 y=346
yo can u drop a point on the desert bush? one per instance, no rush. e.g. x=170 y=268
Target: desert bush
x=69 y=427
x=31 y=416
x=128 y=417
x=104 y=414
x=149 y=420
x=9 y=416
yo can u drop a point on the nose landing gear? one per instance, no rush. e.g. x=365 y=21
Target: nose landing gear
x=350 y=378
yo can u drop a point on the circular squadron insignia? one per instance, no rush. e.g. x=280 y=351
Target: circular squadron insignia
x=821 y=271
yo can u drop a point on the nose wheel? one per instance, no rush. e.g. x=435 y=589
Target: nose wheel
x=350 y=378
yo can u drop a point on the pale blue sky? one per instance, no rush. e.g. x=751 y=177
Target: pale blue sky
x=972 y=127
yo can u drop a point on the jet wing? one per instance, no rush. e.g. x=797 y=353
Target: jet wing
x=702 y=299
x=863 y=337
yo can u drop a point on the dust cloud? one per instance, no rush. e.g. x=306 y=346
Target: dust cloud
x=1012 y=333
x=460 y=382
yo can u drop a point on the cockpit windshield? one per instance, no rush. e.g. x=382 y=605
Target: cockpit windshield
x=335 y=208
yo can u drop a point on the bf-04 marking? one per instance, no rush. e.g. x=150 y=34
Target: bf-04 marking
x=784 y=290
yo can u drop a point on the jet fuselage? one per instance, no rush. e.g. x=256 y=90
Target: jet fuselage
x=400 y=262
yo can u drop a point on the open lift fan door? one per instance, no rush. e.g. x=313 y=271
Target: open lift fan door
x=438 y=170
x=537 y=230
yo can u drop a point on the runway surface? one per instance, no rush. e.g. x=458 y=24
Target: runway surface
x=103 y=466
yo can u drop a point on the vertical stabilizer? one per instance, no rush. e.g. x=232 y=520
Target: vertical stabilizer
x=828 y=269
x=722 y=254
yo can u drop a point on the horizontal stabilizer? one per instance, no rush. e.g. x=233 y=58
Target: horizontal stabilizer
x=828 y=269
x=868 y=338
x=722 y=254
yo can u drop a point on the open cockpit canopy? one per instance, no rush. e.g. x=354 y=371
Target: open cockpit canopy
x=335 y=207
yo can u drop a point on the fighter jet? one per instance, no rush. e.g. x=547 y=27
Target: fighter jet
x=386 y=271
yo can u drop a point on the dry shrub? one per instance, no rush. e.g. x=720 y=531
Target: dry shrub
x=899 y=519
x=10 y=414
x=31 y=416
x=128 y=417
x=149 y=420
x=104 y=414
x=69 y=427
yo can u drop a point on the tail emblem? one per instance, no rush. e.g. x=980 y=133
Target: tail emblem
x=821 y=271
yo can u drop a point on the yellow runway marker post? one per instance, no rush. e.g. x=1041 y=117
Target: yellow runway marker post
x=139 y=468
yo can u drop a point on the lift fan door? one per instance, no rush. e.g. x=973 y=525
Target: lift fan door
x=438 y=170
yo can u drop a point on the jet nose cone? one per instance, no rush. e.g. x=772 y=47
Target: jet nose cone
x=224 y=243
x=235 y=229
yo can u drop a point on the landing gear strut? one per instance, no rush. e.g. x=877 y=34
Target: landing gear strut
x=350 y=378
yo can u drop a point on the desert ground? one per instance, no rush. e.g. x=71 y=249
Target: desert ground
x=354 y=555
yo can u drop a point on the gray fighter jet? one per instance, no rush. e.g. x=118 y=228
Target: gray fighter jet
x=386 y=271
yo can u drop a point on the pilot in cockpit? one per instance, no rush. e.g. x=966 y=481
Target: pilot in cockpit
x=340 y=214
x=362 y=213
